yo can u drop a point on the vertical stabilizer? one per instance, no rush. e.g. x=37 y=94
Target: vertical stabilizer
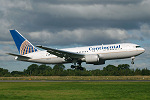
x=23 y=45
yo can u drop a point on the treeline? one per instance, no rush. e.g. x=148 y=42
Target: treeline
x=59 y=70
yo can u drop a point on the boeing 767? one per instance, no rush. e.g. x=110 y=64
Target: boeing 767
x=96 y=55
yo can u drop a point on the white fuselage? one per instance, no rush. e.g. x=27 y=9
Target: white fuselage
x=105 y=52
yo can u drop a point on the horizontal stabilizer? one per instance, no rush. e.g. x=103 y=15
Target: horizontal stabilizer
x=19 y=56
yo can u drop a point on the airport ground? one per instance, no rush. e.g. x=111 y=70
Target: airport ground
x=75 y=87
x=74 y=78
x=124 y=90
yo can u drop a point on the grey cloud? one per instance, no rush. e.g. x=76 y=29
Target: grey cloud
x=145 y=30
x=97 y=11
x=54 y=17
x=64 y=16
x=90 y=1
x=80 y=36
x=4 y=35
x=3 y=51
x=142 y=33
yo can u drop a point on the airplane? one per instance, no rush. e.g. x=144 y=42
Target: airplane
x=96 y=55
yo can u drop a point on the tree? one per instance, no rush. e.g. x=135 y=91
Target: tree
x=17 y=73
x=123 y=66
x=123 y=70
x=59 y=67
x=32 y=70
x=4 y=72
x=110 y=70
x=59 y=70
x=145 y=71
x=32 y=67
x=137 y=72
x=44 y=70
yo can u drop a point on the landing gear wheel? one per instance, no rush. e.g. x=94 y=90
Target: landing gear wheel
x=132 y=58
x=77 y=67
x=132 y=62
x=72 y=66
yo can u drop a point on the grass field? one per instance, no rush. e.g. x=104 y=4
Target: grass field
x=75 y=90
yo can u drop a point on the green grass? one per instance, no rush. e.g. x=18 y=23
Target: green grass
x=75 y=90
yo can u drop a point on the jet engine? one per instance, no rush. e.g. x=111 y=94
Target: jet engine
x=94 y=59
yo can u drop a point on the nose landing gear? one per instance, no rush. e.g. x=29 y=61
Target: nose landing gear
x=132 y=58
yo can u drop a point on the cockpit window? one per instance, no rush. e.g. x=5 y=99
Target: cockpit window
x=138 y=46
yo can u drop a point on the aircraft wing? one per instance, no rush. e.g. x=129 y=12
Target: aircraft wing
x=62 y=53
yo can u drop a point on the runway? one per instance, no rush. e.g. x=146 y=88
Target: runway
x=74 y=80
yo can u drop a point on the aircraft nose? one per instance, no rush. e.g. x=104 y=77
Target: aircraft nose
x=143 y=50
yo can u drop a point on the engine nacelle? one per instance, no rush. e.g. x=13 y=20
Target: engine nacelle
x=94 y=59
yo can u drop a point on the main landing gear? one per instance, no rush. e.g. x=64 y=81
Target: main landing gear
x=78 y=67
x=132 y=58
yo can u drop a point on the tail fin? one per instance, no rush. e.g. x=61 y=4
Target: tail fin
x=23 y=45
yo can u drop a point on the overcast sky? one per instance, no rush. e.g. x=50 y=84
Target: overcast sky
x=70 y=23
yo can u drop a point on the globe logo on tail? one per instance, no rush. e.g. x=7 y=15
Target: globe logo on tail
x=26 y=47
